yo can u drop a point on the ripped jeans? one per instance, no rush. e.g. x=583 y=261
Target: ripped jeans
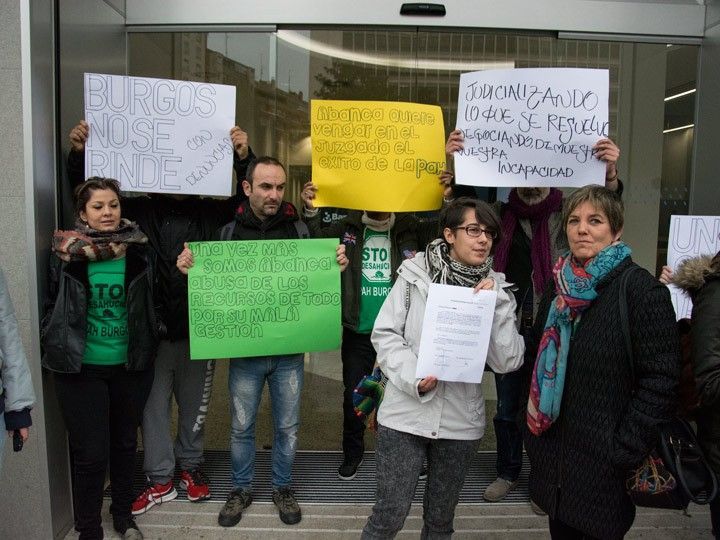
x=284 y=375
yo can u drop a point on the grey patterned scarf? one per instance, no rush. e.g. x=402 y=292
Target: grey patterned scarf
x=447 y=271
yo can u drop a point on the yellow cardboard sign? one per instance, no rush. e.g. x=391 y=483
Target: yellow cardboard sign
x=384 y=156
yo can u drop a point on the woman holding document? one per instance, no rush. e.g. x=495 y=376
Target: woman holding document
x=427 y=419
x=593 y=410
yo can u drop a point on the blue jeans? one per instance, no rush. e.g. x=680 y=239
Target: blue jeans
x=284 y=375
x=507 y=430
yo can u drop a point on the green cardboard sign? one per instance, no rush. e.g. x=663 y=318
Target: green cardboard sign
x=263 y=297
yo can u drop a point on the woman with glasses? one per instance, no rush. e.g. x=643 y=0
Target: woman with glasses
x=426 y=419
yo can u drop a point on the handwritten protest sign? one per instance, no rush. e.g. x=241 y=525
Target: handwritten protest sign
x=690 y=236
x=264 y=297
x=532 y=127
x=377 y=155
x=160 y=135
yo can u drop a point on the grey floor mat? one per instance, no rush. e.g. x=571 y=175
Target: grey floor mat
x=315 y=478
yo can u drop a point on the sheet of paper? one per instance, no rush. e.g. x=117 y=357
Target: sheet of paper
x=456 y=333
x=532 y=127
x=690 y=236
x=160 y=135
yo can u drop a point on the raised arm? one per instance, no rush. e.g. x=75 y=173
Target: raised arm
x=242 y=157
x=311 y=215
x=76 y=158
x=447 y=177
x=609 y=152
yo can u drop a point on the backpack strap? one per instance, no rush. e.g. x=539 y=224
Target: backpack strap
x=302 y=230
x=624 y=318
x=226 y=231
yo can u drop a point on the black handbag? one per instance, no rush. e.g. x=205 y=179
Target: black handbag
x=676 y=472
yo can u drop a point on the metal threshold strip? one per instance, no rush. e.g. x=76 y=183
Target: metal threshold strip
x=315 y=478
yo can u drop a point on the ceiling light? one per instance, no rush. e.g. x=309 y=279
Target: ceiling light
x=678 y=128
x=304 y=42
x=681 y=94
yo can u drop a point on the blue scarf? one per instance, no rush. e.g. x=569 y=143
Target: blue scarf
x=575 y=288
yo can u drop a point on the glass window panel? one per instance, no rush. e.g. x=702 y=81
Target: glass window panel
x=277 y=74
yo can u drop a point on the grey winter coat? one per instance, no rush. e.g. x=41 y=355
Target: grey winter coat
x=700 y=278
x=16 y=390
x=452 y=410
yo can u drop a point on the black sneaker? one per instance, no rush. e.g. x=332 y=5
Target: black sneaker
x=349 y=467
x=423 y=474
x=237 y=501
x=289 y=509
x=127 y=529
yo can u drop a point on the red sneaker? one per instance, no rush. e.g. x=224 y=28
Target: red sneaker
x=196 y=485
x=154 y=494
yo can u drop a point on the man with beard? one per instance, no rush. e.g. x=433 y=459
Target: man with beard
x=263 y=216
x=532 y=240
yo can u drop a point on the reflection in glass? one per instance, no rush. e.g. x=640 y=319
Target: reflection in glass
x=277 y=74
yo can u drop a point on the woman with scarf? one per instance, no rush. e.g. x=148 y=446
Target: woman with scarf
x=426 y=419
x=533 y=238
x=376 y=243
x=590 y=419
x=99 y=337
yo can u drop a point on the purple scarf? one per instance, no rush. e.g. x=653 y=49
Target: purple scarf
x=540 y=252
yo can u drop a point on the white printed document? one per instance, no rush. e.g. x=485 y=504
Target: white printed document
x=456 y=333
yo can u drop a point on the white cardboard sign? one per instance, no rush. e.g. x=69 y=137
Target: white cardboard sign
x=160 y=135
x=690 y=236
x=532 y=127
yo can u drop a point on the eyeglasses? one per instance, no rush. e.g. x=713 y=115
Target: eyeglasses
x=474 y=231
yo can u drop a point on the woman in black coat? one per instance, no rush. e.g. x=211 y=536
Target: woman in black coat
x=700 y=278
x=99 y=337
x=589 y=420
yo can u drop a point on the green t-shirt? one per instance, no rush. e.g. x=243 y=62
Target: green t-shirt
x=376 y=278
x=106 y=340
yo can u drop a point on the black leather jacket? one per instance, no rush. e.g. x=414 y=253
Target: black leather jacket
x=169 y=222
x=408 y=236
x=65 y=322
